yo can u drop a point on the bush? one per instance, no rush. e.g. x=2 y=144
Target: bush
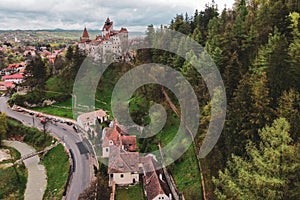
x=32 y=136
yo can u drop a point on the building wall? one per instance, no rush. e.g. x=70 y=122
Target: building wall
x=161 y=197
x=127 y=178
x=105 y=152
x=17 y=81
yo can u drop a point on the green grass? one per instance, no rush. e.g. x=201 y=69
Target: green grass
x=13 y=152
x=130 y=193
x=62 y=112
x=52 y=84
x=10 y=186
x=57 y=166
x=186 y=174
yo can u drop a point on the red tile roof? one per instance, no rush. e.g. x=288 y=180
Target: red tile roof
x=123 y=30
x=111 y=134
x=152 y=183
x=14 y=76
x=129 y=142
x=7 y=84
x=22 y=64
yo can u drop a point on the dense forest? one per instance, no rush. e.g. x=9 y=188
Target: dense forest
x=256 y=47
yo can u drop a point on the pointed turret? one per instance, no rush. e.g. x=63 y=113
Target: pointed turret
x=108 y=26
x=85 y=36
x=85 y=33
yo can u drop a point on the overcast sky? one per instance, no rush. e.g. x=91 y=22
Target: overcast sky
x=76 y=14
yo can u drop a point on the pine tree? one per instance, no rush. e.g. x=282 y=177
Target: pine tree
x=238 y=126
x=38 y=71
x=266 y=173
x=289 y=108
x=294 y=52
x=69 y=53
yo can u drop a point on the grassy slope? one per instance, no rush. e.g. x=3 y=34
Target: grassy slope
x=11 y=188
x=57 y=166
x=186 y=175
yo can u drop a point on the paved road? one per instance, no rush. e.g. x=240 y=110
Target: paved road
x=37 y=179
x=83 y=171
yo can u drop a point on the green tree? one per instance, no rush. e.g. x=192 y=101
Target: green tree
x=289 y=105
x=266 y=172
x=238 y=124
x=294 y=51
x=38 y=70
x=69 y=53
x=3 y=126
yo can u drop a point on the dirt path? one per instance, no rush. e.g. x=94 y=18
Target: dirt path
x=37 y=179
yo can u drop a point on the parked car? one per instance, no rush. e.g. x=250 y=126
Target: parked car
x=39 y=115
x=76 y=128
x=69 y=123
x=43 y=121
x=19 y=109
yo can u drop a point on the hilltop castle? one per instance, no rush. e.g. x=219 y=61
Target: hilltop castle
x=110 y=41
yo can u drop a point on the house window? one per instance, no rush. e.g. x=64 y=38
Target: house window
x=122 y=175
x=106 y=149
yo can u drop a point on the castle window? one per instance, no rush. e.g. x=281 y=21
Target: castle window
x=122 y=175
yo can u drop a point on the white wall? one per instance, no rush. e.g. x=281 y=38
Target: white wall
x=125 y=180
x=161 y=197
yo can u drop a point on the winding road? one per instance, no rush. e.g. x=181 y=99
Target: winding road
x=82 y=174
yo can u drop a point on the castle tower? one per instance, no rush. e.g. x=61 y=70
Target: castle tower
x=107 y=28
x=85 y=36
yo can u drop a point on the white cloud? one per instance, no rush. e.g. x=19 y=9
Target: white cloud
x=75 y=14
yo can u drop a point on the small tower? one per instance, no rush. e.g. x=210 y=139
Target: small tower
x=85 y=36
x=107 y=28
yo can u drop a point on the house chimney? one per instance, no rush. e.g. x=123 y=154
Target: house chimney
x=160 y=177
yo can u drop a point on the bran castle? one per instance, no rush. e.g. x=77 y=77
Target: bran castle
x=110 y=41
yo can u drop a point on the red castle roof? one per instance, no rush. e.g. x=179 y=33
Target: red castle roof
x=85 y=33
x=107 y=25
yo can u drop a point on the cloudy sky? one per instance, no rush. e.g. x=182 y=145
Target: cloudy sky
x=75 y=14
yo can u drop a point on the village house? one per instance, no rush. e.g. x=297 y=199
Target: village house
x=123 y=167
x=30 y=52
x=88 y=120
x=15 y=78
x=4 y=86
x=13 y=68
x=155 y=186
x=16 y=67
x=116 y=135
x=5 y=72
